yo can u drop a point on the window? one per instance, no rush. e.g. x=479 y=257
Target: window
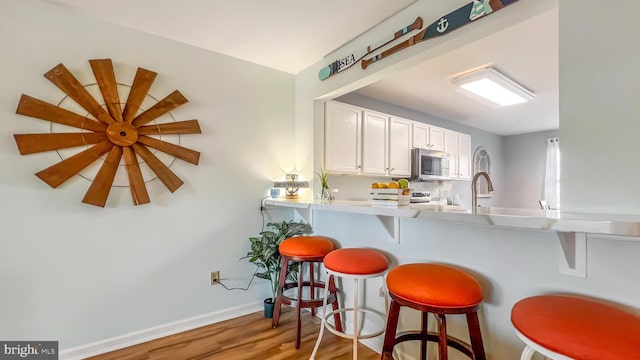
x=482 y=162
x=552 y=174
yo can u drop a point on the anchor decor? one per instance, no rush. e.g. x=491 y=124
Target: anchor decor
x=444 y=25
x=108 y=133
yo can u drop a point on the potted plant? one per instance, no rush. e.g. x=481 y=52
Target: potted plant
x=323 y=175
x=264 y=253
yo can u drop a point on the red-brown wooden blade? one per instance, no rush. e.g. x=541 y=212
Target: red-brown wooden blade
x=139 y=89
x=34 y=143
x=30 y=106
x=162 y=107
x=62 y=171
x=180 y=152
x=168 y=178
x=180 y=127
x=136 y=181
x=66 y=82
x=101 y=186
x=106 y=78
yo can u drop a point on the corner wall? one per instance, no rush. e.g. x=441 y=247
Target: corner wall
x=599 y=111
x=525 y=158
x=77 y=273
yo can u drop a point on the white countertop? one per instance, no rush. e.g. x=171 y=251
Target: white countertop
x=533 y=219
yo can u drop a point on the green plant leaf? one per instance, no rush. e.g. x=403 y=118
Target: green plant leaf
x=265 y=253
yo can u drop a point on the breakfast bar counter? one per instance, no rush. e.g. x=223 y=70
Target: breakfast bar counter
x=531 y=219
x=571 y=228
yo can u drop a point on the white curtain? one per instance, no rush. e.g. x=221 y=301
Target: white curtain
x=552 y=174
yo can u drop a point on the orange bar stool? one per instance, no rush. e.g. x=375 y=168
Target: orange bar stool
x=440 y=290
x=311 y=250
x=357 y=264
x=571 y=327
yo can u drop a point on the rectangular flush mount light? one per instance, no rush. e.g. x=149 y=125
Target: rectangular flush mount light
x=493 y=86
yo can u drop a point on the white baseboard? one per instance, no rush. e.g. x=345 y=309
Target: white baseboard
x=152 y=333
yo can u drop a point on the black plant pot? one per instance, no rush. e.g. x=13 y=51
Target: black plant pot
x=268 y=308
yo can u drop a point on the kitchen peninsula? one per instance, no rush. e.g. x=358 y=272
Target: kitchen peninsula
x=514 y=252
x=531 y=219
x=571 y=228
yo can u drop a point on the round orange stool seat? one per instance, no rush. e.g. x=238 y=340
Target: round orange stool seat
x=434 y=285
x=440 y=290
x=578 y=328
x=356 y=261
x=306 y=246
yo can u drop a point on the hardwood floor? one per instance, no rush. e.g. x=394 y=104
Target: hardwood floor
x=249 y=337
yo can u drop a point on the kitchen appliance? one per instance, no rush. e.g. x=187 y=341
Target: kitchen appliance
x=429 y=165
x=420 y=197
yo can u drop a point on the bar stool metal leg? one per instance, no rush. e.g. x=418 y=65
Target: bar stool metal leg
x=355 y=319
x=324 y=320
x=527 y=353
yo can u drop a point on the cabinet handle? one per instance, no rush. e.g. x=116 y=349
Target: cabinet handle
x=359 y=166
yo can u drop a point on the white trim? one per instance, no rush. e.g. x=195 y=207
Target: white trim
x=152 y=333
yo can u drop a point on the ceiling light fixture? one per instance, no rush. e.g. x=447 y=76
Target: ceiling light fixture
x=488 y=83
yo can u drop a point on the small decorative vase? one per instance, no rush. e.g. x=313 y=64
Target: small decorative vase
x=268 y=308
x=325 y=195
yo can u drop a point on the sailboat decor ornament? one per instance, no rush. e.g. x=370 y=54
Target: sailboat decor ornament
x=120 y=134
x=444 y=25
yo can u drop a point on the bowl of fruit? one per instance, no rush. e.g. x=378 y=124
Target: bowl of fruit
x=391 y=194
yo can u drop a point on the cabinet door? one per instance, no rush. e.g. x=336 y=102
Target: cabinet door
x=374 y=143
x=399 y=147
x=420 y=135
x=451 y=147
x=342 y=139
x=436 y=138
x=464 y=156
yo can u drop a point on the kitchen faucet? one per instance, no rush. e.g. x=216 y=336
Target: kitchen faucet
x=474 y=189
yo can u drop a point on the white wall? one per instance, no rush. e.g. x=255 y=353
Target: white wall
x=599 y=112
x=78 y=273
x=512 y=264
x=525 y=158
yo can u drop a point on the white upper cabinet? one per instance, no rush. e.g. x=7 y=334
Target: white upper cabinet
x=426 y=136
x=436 y=138
x=361 y=141
x=399 y=147
x=464 y=156
x=374 y=143
x=420 y=136
x=342 y=138
x=458 y=146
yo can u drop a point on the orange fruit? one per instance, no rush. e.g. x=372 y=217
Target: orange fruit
x=394 y=185
x=383 y=185
x=406 y=191
x=374 y=185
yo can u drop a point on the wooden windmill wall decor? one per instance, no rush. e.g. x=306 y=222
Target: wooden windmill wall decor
x=118 y=133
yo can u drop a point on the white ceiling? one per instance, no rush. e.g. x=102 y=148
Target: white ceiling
x=526 y=52
x=287 y=35
x=290 y=35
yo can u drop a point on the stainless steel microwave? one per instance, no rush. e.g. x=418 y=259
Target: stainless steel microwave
x=429 y=165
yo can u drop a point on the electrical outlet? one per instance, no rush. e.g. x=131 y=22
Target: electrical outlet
x=214 y=277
